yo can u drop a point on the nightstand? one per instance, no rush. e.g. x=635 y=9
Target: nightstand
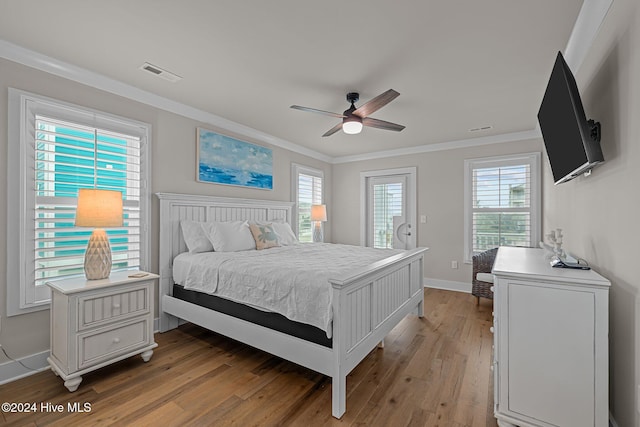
x=98 y=322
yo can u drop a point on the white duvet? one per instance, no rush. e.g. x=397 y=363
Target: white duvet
x=290 y=280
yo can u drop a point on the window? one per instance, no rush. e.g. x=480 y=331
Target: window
x=56 y=149
x=307 y=190
x=387 y=205
x=502 y=202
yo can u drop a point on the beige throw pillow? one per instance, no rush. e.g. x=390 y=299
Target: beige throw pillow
x=264 y=235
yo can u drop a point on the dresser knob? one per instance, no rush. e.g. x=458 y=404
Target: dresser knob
x=116 y=305
x=491 y=329
x=491 y=288
x=116 y=340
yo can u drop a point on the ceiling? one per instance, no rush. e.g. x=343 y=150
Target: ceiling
x=457 y=64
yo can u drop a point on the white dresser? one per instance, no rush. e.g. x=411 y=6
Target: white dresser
x=97 y=322
x=551 y=357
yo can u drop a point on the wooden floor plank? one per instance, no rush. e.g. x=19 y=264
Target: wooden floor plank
x=433 y=371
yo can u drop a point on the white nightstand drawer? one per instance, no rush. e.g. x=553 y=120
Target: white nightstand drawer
x=97 y=346
x=98 y=309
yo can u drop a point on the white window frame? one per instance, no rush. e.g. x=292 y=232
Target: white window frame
x=296 y=170
x=22 y=294
x=533 y=160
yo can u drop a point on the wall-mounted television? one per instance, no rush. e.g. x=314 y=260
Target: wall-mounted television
x=572 y=142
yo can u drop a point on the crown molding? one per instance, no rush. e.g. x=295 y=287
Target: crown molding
x=590 y=18
x=584 y=32
x=449 y=145
x=68 y=71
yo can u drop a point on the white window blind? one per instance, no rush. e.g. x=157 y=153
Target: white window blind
x=70 y=156
x=309 y=193
x=502 y=206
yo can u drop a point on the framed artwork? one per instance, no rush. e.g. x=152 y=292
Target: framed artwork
x=225 y=160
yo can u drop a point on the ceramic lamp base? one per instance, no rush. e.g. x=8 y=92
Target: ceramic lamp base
x=318 y=236
x=97 y=259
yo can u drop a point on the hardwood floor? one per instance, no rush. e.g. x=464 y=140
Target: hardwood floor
x=432 y=372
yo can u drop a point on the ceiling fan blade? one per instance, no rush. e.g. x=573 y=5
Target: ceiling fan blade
x=313 y=110
x=376 y=103
x=381 y=124
x=333 y=130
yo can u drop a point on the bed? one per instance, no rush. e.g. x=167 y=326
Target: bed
x=366 y=303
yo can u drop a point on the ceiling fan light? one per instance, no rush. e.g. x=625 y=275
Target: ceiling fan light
x=351 y=127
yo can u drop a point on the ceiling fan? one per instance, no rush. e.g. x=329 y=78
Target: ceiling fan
x=354 y=118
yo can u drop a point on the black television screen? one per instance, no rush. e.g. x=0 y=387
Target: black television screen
x=572 y=142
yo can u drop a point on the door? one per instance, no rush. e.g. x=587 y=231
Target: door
x=389 y=211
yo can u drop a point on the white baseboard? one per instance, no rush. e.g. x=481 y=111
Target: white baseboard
x=13 y=370
x=448 y=285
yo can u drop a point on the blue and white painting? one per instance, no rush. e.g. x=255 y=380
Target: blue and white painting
x=226 y=160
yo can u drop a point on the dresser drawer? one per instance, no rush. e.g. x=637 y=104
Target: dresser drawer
x=104 y=344
x=99 y=309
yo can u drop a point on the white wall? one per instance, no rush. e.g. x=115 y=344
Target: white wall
x=173 y=147
x=599 y=214
x=440 y=198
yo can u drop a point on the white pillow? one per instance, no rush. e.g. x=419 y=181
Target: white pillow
x=195 y=237
x=484 y=277
x=285 y=233
x=230 y=236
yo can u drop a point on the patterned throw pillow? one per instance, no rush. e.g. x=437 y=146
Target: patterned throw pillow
x=264 y=235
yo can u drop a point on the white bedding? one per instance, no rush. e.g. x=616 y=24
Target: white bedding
x=290 y=280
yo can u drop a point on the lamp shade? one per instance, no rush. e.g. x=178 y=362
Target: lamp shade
x=99 y=208
x=352 y=125
x=318 y=213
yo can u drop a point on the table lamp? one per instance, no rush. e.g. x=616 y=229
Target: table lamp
x=318 y=215
x=98 y=208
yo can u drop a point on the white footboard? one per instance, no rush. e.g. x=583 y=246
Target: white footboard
x=366 y=306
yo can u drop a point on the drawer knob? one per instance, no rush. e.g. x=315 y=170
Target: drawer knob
x=491 y=288
x=491 y=329
x=116 y=340
x=116 y=305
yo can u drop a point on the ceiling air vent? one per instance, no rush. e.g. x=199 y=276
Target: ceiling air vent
x=163 y=74
x=481 y=128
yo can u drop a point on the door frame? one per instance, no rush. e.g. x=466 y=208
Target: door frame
x=412 y=199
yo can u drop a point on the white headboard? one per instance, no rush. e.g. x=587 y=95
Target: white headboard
x=176 y=207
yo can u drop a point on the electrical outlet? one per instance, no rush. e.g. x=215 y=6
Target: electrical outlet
x=454 y=264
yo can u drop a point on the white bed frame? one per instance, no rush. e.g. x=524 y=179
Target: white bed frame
x=367 y=303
